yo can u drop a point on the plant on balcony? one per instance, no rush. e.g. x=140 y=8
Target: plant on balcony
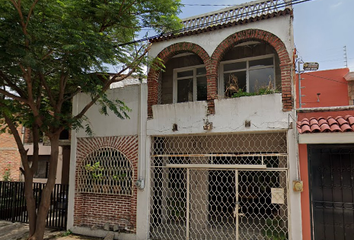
x=234 y=91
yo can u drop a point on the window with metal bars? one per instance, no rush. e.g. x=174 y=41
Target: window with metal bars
x=106 y=171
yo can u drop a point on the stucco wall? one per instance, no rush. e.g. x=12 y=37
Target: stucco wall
x=123 y=135
x=111 y=125
x=264 y=113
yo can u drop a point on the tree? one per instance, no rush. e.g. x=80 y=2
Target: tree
x=52 y=50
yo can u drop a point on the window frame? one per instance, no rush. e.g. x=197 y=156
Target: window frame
x=221 y=82
x=195 y=76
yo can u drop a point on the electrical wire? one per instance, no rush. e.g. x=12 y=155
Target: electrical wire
x=325 y=78
x=207 y=5
x=238 y=16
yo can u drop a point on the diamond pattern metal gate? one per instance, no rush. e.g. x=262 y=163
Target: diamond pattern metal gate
x=229 y=190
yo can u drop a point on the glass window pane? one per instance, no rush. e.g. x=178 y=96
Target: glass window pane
x=234 y=66
x=185 y=90
x=262 y=62
x=201 y=88
x=261 y=78
x=233 y=82
x=201 y=71
x=185 y=74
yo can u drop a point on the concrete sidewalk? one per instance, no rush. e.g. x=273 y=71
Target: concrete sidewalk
x=16 y=231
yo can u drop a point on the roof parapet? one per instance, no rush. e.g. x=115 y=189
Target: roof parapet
x=235 y=13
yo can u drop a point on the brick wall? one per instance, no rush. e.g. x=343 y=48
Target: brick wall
x=28 y=137
x=10 y=159
x=212 y=64
x=98 y=209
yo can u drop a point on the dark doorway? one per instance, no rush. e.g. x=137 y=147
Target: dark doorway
x=332 y=191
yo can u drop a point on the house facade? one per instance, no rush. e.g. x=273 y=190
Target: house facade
x=44 y=151
x=210 y=149
x=326 y=152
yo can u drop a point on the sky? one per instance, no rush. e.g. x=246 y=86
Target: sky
x=321 y=29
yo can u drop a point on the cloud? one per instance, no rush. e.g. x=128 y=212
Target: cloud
x=336 y=5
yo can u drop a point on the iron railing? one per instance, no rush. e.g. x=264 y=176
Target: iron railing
x=13 y=203
x=235 y=13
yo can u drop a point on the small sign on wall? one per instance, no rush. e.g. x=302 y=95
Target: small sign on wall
x=277 y=195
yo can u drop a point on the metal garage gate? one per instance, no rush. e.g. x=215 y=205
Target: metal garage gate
x=219 y=187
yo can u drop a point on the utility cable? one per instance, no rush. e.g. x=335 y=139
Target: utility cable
x=238 y=16
x=328 y=79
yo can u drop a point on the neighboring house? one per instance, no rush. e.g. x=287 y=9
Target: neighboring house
x=44 y=157
x=10 y=159
x=194 y=162
x=327 y=88
x=326 y=150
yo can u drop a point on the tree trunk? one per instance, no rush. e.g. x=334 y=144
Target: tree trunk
x=47 y=190
x=30 y=203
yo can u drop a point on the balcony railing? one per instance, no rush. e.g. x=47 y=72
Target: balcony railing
x=236 y=13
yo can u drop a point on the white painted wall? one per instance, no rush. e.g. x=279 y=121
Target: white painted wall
x=135 y=97
x=264 y=112
x=295 y=226
x=280 y=26
x=111 y=125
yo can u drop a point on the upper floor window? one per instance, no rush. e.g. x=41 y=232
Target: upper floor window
x=247 y=75
x=190 y=84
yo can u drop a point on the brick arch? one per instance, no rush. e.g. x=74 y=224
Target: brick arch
x=128 y=146
x=272 y=40
x=165 y=55
x=86 y=204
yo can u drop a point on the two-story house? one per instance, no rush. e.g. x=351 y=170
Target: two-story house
x=209 y=151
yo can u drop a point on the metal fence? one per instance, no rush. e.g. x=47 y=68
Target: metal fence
x=218 y=187
x=13 y=203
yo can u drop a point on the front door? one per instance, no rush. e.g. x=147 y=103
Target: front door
x=332 y=191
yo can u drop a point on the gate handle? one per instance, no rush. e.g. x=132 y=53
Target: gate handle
x=240 y=214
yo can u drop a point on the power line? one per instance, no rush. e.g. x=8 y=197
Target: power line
x=275 y=7
x=325 y=78
x=331 y=60
x=207 y=5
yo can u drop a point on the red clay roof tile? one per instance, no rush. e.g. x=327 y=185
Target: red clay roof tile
x=320 y=124
x=341 y=120
x=346 y=128
x=315 y=128
x=350 y=119
x=322 y=121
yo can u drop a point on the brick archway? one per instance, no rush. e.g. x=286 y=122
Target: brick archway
x=272 y=40
x=165 y=55
x=86 y=204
